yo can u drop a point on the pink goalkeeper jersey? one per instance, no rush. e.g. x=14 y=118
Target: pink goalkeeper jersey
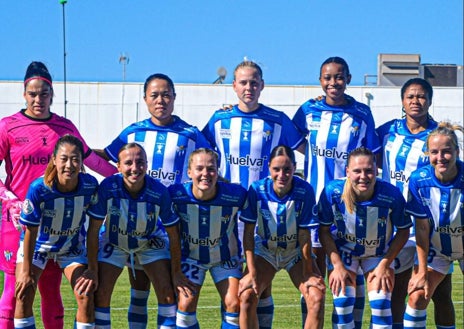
x=26 y=145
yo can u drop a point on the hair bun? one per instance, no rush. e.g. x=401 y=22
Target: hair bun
x=37 y=69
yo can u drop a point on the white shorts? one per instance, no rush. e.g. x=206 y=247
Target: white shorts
x=280 y=258
x=405 y=259
x=111 y=254
x=40 y=258
x=439 y=262
x=355 y=264
x=196 y=271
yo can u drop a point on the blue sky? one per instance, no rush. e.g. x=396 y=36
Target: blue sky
x=190 y=40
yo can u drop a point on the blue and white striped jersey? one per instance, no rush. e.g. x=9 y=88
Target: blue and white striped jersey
x=332 y=132
x=443 y=205
x=167 y=147
x=245 y=141
x=368 y=230
x=131 y=222
x=208 y=229
x=278 y=220
x=403 y=152
x=60 y=216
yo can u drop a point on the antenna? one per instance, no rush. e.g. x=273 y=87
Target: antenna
x=222 y=73
x=124 y=60
x=63 y=2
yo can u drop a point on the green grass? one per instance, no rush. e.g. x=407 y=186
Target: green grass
x=286 y=299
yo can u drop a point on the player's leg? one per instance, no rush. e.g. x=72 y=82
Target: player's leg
x=85 y=316
x=314 y=297
x=51 y=307
x=248 y=298
x=108 y=274
x=24 y=316
x=159 y=273
x=137 y=314
x=444 y=307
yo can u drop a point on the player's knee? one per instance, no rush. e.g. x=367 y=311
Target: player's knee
x=231 y=303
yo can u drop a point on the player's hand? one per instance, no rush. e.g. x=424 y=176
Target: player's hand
x=315 y=282
x=383 y=278
x=339 y=278
x=24 y=281
x=248 y=282
x=419 y=281
x=87 y=283
x=14 y=210
x=183 y=285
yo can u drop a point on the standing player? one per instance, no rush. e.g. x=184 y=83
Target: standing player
x=279 y=211
x=365 y=211
x=245 y=136
x=334 y=125
x=168 y=141
x=436 y=201
x=54 y=216
x=207 y=210
x=131 y=203
x=404 y=150
x=27 y=139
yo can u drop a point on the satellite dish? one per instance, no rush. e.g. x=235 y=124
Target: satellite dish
x=222 y=72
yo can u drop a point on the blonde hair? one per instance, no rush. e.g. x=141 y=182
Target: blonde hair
x=250 y=64
x=203 y=150
x=348 y=195
x=50 y=171
x=446 y=129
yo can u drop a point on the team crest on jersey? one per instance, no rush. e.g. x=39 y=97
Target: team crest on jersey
x=204 y=220
x=181 y=149
x=267 y=135
x=150 y=216
x=28 y=207
x=68 y=212
x=132 y=217
x=94 y=199
x=225 y=219
x=355 y=130
x=382 y=221
x=8 y=255
x=426 y=202
x=185 y=217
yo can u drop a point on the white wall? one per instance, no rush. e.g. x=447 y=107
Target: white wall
x=99 y=113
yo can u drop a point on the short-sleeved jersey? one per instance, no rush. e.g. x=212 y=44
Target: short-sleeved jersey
x=332 y=132
x=402 y=152
x=26 y=146
x=131 y=222
x=245 y=141
x=278 y=219
x=59 y=216
x=367 y=231
x=443 y=205
x=208 y=229
x=167 y=147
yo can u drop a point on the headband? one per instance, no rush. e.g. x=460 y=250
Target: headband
x=39 y=78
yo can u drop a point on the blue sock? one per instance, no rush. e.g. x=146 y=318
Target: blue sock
x=414 y=318
x=230 y=321
x=380 y=303
x=25 y=323
x=103 y=317
x=187 y=320
x=360 y=299
x=167 y=316
x=304 y=311
x=137 y=315
x=342 y=317
x=265 y=312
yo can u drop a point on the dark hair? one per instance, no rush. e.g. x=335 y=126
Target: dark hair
x=130 y=146
x=282 y=150
x=160 y=76
x=203 y=150
x=50 y=171
x=249 y=64
x=336 y=60
x=418 y=81
x=37 y=70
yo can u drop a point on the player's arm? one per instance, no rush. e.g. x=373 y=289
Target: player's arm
x=101 y=153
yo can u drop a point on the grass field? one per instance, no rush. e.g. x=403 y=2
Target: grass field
x=286 y=298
